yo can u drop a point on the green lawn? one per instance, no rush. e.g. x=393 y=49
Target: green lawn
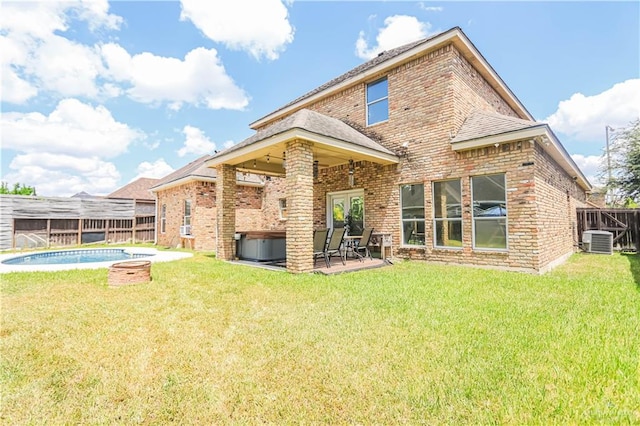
x=208 y=342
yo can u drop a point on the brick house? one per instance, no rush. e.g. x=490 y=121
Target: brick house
x=186 y=205
x=424 y=142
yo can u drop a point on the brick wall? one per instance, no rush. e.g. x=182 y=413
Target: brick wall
x=254 y=205
x=429 y=99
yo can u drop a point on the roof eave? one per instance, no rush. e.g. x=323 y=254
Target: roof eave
x=454 y=35
x=246 y=153
x=188 y=179
x=553 y=147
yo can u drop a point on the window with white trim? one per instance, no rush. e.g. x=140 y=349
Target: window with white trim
x=163 y=219
x=489 y=198
x=447 y=213
x=377 y=101
x=282 y=205
x=187 y=213
x=412 y=211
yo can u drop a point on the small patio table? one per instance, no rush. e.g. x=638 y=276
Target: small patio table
x=349 y=243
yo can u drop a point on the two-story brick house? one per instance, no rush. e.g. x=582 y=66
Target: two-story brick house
x=431 y=146
x=186 y=205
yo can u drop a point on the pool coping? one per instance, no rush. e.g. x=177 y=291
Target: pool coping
x=155 y=255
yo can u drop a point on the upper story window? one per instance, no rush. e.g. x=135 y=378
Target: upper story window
x=377 y=101
x=447 y=213
x=489 y=212
x=412 y=206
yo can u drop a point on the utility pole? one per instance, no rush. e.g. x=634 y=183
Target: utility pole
x=608 y=128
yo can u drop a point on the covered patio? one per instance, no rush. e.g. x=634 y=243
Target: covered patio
x=295 y=148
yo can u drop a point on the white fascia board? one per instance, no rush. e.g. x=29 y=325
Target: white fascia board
x=292 y=134
x=188 y=179
x=555 y=148
x=452 y=35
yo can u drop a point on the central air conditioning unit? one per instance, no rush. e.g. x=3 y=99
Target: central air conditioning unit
x=185 y=230
x=597 y=242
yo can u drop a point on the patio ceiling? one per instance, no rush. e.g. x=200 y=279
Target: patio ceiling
x=334 y=143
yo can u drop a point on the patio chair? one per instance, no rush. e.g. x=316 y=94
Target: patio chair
x=319 y=244
x=335 y=246
x=363 y=244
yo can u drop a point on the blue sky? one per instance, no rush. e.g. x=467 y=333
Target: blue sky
x=96 y=94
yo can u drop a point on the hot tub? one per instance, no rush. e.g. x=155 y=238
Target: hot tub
x=261 y=246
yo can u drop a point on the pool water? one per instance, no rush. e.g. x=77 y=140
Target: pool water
x=67 y=257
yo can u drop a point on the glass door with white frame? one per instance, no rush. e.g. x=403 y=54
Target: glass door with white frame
x=346 y=206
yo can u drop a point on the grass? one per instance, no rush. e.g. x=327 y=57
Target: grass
x=211 y=342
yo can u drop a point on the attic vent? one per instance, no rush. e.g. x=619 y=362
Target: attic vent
x=597 y=242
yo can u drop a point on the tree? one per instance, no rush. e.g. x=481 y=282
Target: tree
x=624 y=185
x=18 y=189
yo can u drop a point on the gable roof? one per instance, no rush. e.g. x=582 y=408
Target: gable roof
x=197 y=170
x=136 y=190
x=327 y=133
x=484 y=128
x=393 y=58
x=313 y=122
x=484 y=123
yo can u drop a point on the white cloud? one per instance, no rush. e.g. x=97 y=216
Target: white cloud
x=156 y=170
x=260 y=27
x=397 y=30
x=591 y=166
x=430 y=8
x=199 y=80
x=196 y=142
x=73 y=128
x=228 y=144
x=63 y=175
x=38 y=58
x=585 y=117
x=34 y=55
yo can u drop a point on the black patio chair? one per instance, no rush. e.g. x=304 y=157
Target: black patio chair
x=335 y=246
x=319 y=244
x=363 y=244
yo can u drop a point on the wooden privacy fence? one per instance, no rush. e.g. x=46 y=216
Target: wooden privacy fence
x=29 y=222
x=624 y=224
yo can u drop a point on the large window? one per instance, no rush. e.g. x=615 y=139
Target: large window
x=489 y=212
x=447 y=214
x=377 y=101
x=163 y=219
x=412 y=207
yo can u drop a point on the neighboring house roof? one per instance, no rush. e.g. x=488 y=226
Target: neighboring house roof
x=484 y=128
x=197 y=170
x=84 y=195
x=310 y=125
x=394 y=57
x=139 y=189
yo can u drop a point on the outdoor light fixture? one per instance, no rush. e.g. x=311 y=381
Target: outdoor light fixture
x=315 y=169
x=351 y=170
x=254 y=164
x=268 y=158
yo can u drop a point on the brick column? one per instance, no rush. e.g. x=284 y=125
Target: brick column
x=299 y=207
x=226 y=211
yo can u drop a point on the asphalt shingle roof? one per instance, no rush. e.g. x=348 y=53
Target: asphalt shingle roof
x=313 y=122
x=196 y=168
x=136 y=190
x=481 y=124
x=382 y=57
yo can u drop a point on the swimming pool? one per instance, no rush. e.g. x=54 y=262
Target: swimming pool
x=58 y=260
x=74 y=256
